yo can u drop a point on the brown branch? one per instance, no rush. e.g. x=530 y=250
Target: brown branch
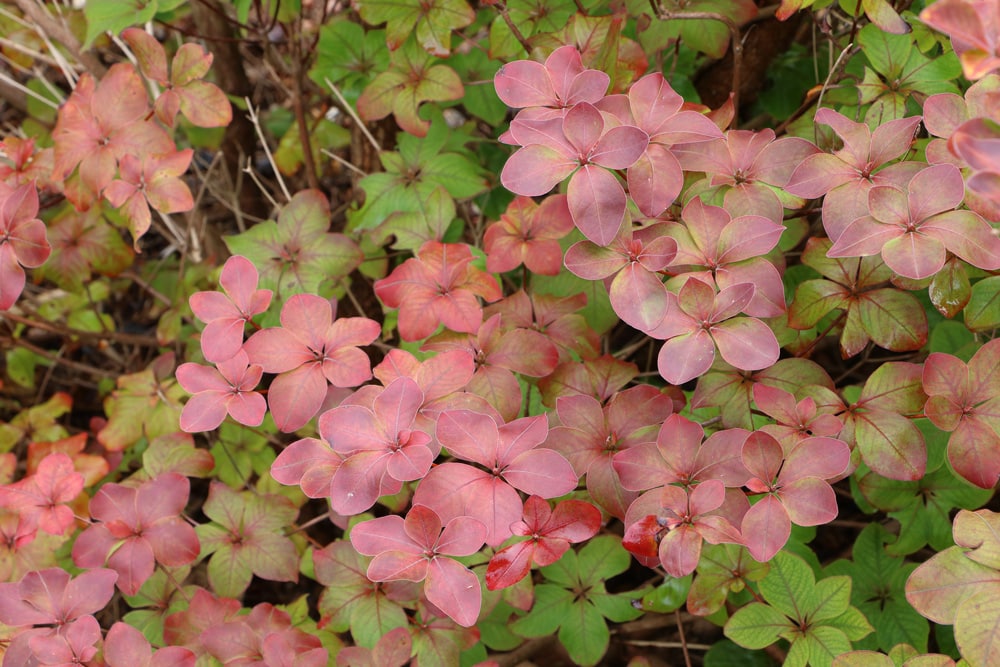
x=55 y=358
x=301 y=64
x=502 y=8
x=231 y=77
x=125 y=338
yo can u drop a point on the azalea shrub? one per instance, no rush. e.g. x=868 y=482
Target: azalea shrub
x=387 y=333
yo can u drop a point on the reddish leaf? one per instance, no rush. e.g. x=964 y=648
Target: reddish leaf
x=438 y=286
x=561 y=82
x=40 y=499
x=216 y=393
x=766 y=528
x=416 y=549
x=528 y=233
x=137 y=526
x=23 y=239
x=125 y=646
x=226 y=315
x=308 y=351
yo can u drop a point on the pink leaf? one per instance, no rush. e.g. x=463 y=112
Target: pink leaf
x=680 y=551
x=541 y=472
x=455 y=590
x=534 y=170
x=620 y=147
x=510 y=565
x=469 y=435
x=524 y=83
x=639 y=297
x=809 y=501
x=766 y=528
x=762 y=456
x=597 y=203
x=686 y=357
x=746 y=343
x=654 y=180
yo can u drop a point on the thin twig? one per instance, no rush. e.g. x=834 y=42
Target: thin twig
x=68 y=363
x=118 y=337
x=37 y=55
x=28 y=91
x=249 y=170
x=659 y=644
x=142 y=283
x=252 y=115
x=680 y=631
x=353 y=114
x=829 y=77
x=341 y=161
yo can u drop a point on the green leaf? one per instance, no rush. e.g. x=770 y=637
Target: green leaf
x=551 y=608
x=143 y=405
x=411 y=80
x=894 y=319
x=829 y=599
x=494 y=629
x=297 y=254
x=722 y=568
x=618 y=608
x=349 y=57
x=585 y=634
x=886 y=52
x=853 y=623
x=21 y=364
x=477 y=71
x=602 y=558
x=430 y=21
x=461 y=177
x=240 y=452
x=787 y=584
x=823 y=643
x=289 y=155
x=954 y=338
x=564 y=572
x=890 y=444
x=350 y=601
x=983 y=311
x=814 y=299
x=247 y=535
x=668 y=596
x=878 y=581
x=757 y=625
x=114 y=16
x=175 y=452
